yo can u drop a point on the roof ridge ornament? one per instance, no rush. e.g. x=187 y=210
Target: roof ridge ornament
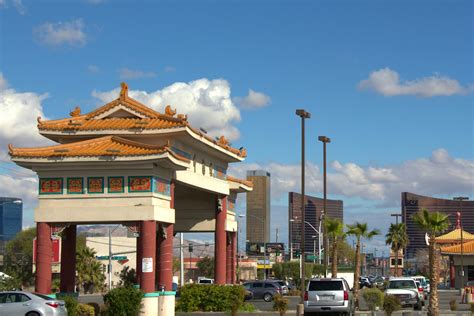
x=123 y=91
x=76 y=112
x=169 y=111
x=223 y=141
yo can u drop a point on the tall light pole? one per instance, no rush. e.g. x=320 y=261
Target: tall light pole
x=460 y=199
x=304 y=115
x=314 y=248
x=325 y=140
x=319 y=232
x=291 y=238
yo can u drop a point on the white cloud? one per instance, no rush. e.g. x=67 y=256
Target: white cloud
x=387 y=82
x=170 y=69
x=253 y=100
x=19 y=6
x=129 y=74
x=207 y=102
x=3 y=82
x=439 y=175
x=18 y=120
x=93 y=69
x=70 y=33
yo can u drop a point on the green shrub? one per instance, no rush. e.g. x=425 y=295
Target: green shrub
x=294 y=292
x=85 y=310
x=247 y=307
x=280 y=304
x=373 y=298
x=71 y=303
x=391 y=304
x=123 y=301
x=96 y=307
x=211 y=298
x=453 y=305
x=472 y=307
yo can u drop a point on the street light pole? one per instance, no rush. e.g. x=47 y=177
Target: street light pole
x=325 y=140
x=291 y=238
x=460 y=199
x=314 y=248
x=304 y=115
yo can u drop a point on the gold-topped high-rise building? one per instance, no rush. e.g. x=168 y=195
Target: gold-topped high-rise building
x=258 y=207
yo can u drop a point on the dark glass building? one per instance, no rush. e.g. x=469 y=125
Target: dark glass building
x=313 y=209
x=11 y=218
x=412 y=203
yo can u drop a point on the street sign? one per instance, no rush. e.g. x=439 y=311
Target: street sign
x=113 y=258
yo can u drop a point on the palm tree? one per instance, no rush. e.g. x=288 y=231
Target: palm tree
x=397 y=238
x=88 y=268
x=334 y=230
x=433 y=224
x=359 y=231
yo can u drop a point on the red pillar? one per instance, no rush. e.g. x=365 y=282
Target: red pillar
x=165 y=274
x=220 y=243
x=228 y=259
x=164 y=251
x=44 y=254
x=139 y=255
x=68 y=260
x=148 y=252
x=234 y=258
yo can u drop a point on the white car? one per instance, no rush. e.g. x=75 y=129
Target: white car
x=406 y=291
x=424 y=284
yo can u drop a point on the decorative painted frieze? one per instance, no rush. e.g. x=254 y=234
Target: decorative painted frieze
x=75 y=185
x=116 y=184
x=51 y=186
x=140 y=184
x=162 y=186
x=95 y=185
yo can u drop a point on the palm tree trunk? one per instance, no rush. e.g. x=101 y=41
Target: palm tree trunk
x=357 y=275
x=334 y=259
x=396 y=258
x=433 y=308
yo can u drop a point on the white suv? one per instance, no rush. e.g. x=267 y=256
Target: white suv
x=406 y=291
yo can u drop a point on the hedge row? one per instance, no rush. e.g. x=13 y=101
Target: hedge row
x=210 y=298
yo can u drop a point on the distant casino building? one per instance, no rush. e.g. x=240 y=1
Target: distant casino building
x=313 y=209
x=258 y=207
x=11 y=217
x=412 y=203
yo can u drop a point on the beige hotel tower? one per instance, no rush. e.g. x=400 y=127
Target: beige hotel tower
x=258 y=207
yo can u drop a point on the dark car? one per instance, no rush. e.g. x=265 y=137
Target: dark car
x=263 y=289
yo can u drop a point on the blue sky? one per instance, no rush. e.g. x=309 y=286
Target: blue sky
x=391 y=82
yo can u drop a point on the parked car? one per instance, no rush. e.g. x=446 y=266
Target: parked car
x=364 y=282
x=263 y=289
x=379 y=282
x=423 y=283
x=406 y=291
x=284 y=286
x=26 y=303
x=328 y=296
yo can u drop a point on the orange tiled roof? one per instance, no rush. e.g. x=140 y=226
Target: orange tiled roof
x=102 y=146
x=83 y=124
x=152 y=120
x=240 y=181
x=454 y=237
x=468 y=248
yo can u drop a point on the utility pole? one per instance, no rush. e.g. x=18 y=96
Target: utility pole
x=460 y=199
x=325 y=140
x=181 y=259
x=304 y=115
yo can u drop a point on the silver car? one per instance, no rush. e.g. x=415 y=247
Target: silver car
x=328 y=296
x=30 y=304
